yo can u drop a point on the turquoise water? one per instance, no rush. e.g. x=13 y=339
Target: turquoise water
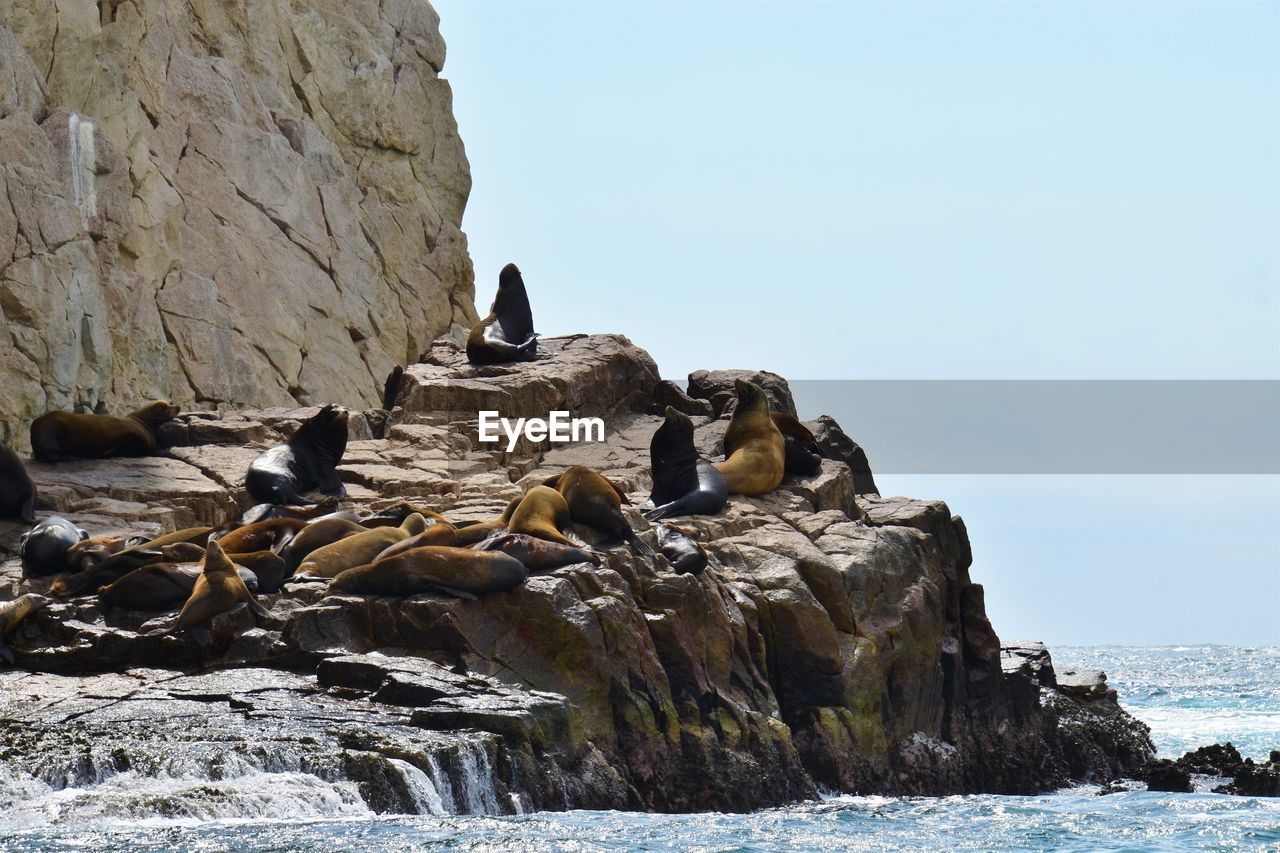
x=1190 y=696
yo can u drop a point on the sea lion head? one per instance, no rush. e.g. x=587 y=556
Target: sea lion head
x=215 y=560
x=157 y=412
x=43 y=549
x=510 y=278
x=677 y=423
x=325 y=432
x=750 y=396
x=511 y=305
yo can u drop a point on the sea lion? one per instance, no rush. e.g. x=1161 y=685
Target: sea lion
x=471 y=532
x=267 y=566
x=433 y=569
x=57 y=436
x=117 y=566
x=317 y=534
x=44 y=548
x=753 y=446
x=538 y=554
x=160 y=586
x=442 y=533
x=594 y=500
x=13 y=612
x=96 y=549
x=507 y=334
x=306 y=461
x=218 y=589
x=17 y=491
x=266 y=512
x=800 y=454
x=391 y=388
x=394 y=516
x=684 y=554
x=683 y=482
x=543 y=513
x=271 y=535
x=358 y=549
x=193 y=535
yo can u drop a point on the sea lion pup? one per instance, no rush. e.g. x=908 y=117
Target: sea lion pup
x=543 y=513
x=306 y=461
x=471 y=532
x=595 y=501
x=434 y=569
x=753 y=446
x=683 y=482
x=17 y=491
x=58 y=436
x=13 y=612
x=271 y=535
x=684 y=554
x=358 y=549
x=317 y=534
x=267 y=566
x=44 y=547
x=160 y=587
x=442 y=533
x=507 y=334
x=800 y=452
x=538 y=554
x=218 y=589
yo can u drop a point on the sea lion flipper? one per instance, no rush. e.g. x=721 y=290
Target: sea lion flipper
x=456 y=593
x=641 y=546
x=200 y=635
x=256 y=608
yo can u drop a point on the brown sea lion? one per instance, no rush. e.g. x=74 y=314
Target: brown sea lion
x=160 y=586
x=218 y=589
x=801 y=455
x=317 y=534
x=13 y=612
x=44 y=547
x=538 y=554
x=753 y=447
x=270 y=535
x=684 y=554
x=358 y=549
x=469 y=533
x=117 y=566
x=308 y=460
x=433 y=569
x=442 y=534
x=266 y=512
x=507 y=334
x=96 y=549
x=267 y=566
x=17 y=491
x=683 y=482
x=58 y=436
x=194 y=535
x=543 y=513
x=596 y=501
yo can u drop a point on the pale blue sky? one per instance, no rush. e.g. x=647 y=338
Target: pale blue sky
x=919 y=190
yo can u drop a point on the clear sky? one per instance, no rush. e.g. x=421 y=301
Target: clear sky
x=914 y=190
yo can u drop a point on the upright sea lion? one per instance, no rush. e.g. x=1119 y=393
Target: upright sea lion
x=594 y=500
x=543 y=513
x=538 y=554
x=358 y=549
x=753 y=446
x=271 y=535
x=391 y=388
x=218 y=589
x=13 y=612
x=57 y=436
x=442 y=533
x=432 y=569
x=684 y=554
x=317 y=534
x=160 y=586
x=306 y=461
x=507 y=334
x=800 y=451
x=683 y=482
x=44 y=548
x=17 y=492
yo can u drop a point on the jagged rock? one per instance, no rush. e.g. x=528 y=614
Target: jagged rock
x=1214 y=760
x=834 y=444
x=716 y=387
x=1165 y=775
x=1255 y=780
x=667 y=393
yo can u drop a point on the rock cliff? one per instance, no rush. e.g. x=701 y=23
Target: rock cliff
x=223 y=203
x=836 y=641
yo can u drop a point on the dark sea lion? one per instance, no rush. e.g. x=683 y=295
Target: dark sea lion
x=433 y=569
x=160 y=587
x=44 y=548
x=57 y=436
x=684 y=554
x=17 y=491
x=358 y=549
x=13 y=612
x=317 y=534
x=268 y=566
x=266 y=512
x=218 y=589
x=543 y=513
x=594 y=500
x=507 y=334
x=117 y=566
x=469 y=533
x=538 y=554
x=800 y=454
x=394 y=516
x=753 y=447
x=683 y=482
x=442 y=534
x=306 y=461
x=271 y=535
x=391 y=388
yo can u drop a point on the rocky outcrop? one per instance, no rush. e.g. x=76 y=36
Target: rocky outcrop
x=249 y=204
x=820 y=649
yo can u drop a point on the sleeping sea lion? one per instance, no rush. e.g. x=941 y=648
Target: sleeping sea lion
x=317 y=534
x=58 y=436
x=267 y=566
x=194 y=535
x=684 y=554
x=538 y=554
x=117 y=566
x=358 y=549
x=543 y=513
x=801 y=455
x=433 y=569
x=594 y=500
x=266 y=512
x=683 y=482
x=507 y=334
x=306 y=461
x=44 y=548
x=272 y=535
x=469 y=533
x=160 y=586
x=442 y=533
x=218 y=589
x=394 y=516
x=13 y=612
x=753 y=446
x=17 y=491
x=96 y=549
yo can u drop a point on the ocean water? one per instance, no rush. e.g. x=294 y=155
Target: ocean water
x=1189 y=696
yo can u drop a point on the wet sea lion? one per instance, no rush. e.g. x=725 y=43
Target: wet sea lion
x=272 y=535
x=442 y=533
x=753 y=446
x=538 y=554
x=684 y=554
x=44 y=548
x=268 y=566
x=160 y=587
x=13 y=612
x=358 y=549
x=218 y=589
x=543 y=513
x=433 y=569
x=800 y=454
x=17 y=491
x=317 y=534
x=683 y=482
x=594 y=500
x=507 y=334
x=306 y=461
x=57 y=436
